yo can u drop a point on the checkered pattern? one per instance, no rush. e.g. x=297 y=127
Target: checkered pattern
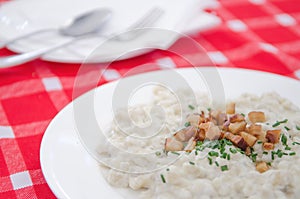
x=256 y=34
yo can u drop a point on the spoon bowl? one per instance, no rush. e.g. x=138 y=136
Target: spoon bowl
x=87 y=23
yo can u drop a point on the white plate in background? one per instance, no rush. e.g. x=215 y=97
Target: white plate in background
x=24 y=16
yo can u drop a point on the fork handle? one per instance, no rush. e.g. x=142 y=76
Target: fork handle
x=14 y=60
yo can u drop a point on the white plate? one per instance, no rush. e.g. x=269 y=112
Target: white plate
x=70 y=170
x=24 y=16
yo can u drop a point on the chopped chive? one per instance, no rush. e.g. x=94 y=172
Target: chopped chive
x=287 y=128
x=213 y=153
x=199 y=143
x=228 y=156
x=273 y=155
x=287 y=148
x=224 y=168
x=279 y=153
x=192 y=163
x=269 y=163
x=174 y=152
x=210 y=160
x=163 y=178
x=209 y=109
x=259 y=142
x=187 y=124
x=293 y=153
x=265 y=153
x=243 y=114
x=224 y=155
x=157 y=153
x=232 y=150
x=217 y=164
x=191 y=107
x=228 y=142
x=196 y=152
x=279 y=122
x=296 y=143
x=167 y=169
x=253 y=157
x=298 y=128
x=283 y=139
x=285 y=153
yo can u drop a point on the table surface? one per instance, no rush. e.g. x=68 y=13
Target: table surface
x=255 y=34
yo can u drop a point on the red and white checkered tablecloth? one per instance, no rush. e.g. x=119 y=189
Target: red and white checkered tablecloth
x=255 y=34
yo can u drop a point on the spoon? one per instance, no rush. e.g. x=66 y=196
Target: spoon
x=82 y=26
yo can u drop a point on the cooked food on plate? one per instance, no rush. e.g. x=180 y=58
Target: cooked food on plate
x=248 y=147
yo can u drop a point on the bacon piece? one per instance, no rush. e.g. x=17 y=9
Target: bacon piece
x=256 y=116
x=195 y=119
x=218 y=117
x=213 y=132
x=172 y=144
x=237 y=118
x=190 y=145
x=236 y=140
x=250 y=139
x=185 y=134
x=230 y=108
x=268 y=146
x=237 y=127
x=200 y=135
x=273 y=135
x=256 y=130
x=262 y=167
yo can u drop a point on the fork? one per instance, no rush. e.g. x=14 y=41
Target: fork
x=148 y=19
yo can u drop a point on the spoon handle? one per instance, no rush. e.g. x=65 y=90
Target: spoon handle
x=5 y=43
x=14 y=60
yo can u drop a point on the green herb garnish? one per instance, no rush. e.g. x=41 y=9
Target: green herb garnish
x=287 y=128
x=163 y=178
x=157 y=153
x=187 y=124
x=287 y=148
x=284 y=139
x=213 y=153
x=217 y=164
x=224 y=168
x=298 y=128
x=192 y=163
x=293 y=153
x=210 y=160
x=232 y=150
x=294 y=143
x=191 y=107
x=279 y=122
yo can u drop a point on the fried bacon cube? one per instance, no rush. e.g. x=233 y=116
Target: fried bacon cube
x=236 y=118
x=268 y=146
x=262 y=167
x=230 y=108
x=256 y=130
x=237 y=127
x=256 y=116
x=273 y=135
x=172 y=144
x=250 y=139
x=237 y=140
